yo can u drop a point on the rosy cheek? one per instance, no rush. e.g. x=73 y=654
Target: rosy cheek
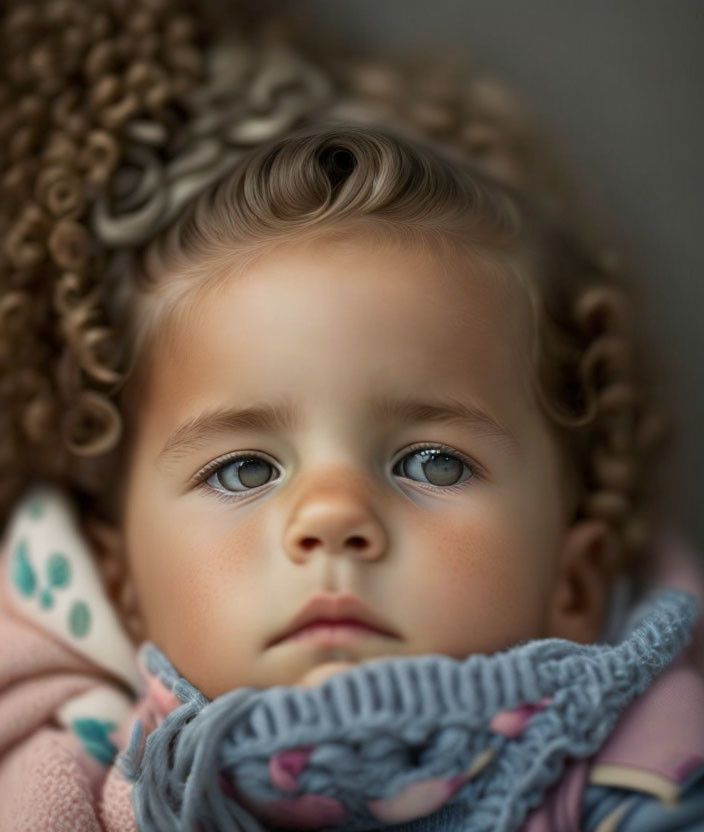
x=212 y=543
x=469 y=567
x=243 y=541
x=460 y=543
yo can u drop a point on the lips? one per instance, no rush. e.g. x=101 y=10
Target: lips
x=335 y=615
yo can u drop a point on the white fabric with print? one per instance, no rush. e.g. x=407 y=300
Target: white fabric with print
x=54 y=582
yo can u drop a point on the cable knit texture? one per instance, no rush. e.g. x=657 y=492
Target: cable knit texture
x=393 y=740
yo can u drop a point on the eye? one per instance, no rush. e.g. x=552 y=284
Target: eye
x=437 y=466
x=239 y=474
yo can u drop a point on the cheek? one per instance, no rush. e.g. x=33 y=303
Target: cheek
x=469 y=542
x=476 y=580
x=192 y=569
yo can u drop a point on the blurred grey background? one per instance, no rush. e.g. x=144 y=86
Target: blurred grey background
x=620 y=83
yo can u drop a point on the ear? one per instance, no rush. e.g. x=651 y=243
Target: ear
x=107 y=543
x=585 y=567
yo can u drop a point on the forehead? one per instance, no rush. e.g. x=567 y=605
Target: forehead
x=386 y=315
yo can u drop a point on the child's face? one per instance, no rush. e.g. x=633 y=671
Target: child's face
x=331 y=329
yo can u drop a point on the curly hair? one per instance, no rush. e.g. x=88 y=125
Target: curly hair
x=125 y=189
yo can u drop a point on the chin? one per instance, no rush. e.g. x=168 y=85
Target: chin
x=321 y=672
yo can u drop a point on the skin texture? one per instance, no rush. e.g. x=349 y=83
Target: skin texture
x=332 y=324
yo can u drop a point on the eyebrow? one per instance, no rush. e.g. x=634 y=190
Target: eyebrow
x=281 y=416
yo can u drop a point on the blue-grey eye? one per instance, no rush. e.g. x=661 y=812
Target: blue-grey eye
x=434 y=466
x=244 y=473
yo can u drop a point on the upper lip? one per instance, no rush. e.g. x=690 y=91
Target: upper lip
x=327 y=607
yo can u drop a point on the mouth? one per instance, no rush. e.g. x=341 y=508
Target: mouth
x=334 y=620
x=332 y=633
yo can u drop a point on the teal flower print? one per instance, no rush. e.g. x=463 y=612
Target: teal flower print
x=46 y=599
x=93 y=733
x=79 y=619
x=58 y=576
x=23 y=575
x=58 y=571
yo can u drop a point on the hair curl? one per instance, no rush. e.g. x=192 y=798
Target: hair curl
x=100 y=202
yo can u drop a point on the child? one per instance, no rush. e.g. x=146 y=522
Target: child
x=359 y=377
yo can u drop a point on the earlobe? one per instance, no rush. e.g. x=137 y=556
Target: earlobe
x=585 y=568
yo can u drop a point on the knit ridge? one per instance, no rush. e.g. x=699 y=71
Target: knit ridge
x=382 y=726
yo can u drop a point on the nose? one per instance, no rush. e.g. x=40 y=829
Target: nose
x=336 y=527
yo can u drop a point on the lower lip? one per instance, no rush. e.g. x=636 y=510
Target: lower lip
x=333 y=634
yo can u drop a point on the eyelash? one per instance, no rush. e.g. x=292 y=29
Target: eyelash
x=200 y=479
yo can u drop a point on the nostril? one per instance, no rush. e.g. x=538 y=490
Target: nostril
x=354 y=542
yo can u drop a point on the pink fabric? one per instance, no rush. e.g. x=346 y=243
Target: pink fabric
x=662 y=731
x=560 y=809
x=47 y=780
x=677 y=564
x=648 y=737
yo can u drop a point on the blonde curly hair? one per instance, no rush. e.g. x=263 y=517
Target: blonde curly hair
x=143 y=157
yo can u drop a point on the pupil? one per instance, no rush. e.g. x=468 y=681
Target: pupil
x=444 y=470
x=250 y=473
x=253 y=472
